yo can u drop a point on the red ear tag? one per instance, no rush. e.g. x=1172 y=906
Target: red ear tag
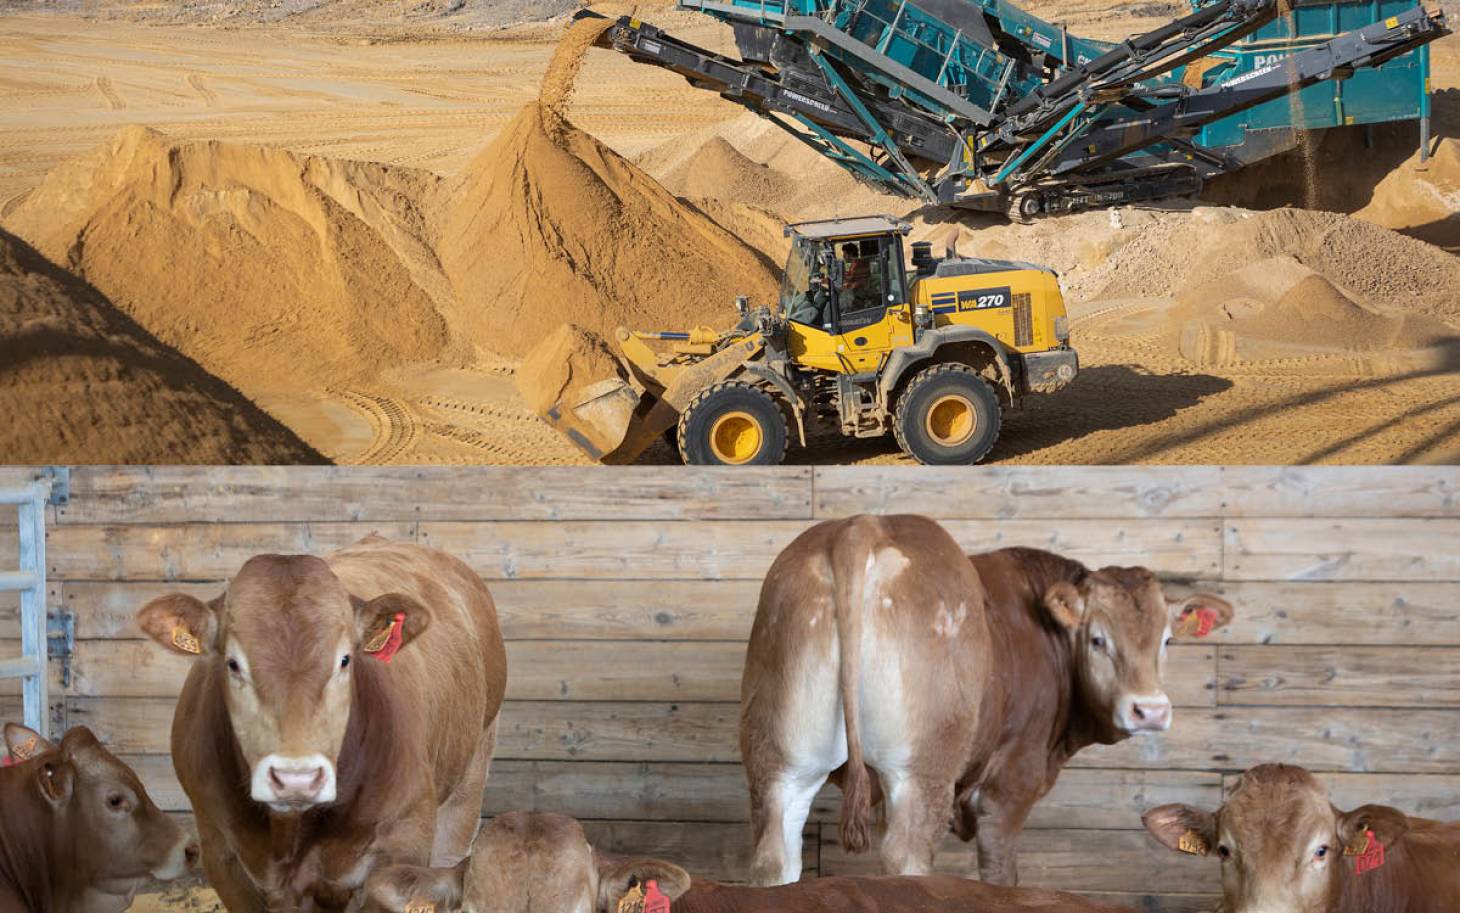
x=8 y=761
x=654 y=901
x=384 y=649
x=1372 y=856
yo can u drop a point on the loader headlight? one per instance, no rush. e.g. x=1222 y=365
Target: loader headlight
x=1062 y=329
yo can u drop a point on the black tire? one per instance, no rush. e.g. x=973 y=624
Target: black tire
x=919 y=426
x=732 y=414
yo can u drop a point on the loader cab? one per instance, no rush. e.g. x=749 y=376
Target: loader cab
x=844 y=292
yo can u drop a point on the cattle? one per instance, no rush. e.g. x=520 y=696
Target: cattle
x=340 y=714
x=1284 y=848
x=78 y=832
x=541 y=863
x=949 y=687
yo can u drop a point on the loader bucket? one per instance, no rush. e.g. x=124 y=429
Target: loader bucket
x=576 y=382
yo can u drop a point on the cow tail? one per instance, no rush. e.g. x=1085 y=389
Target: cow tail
x=849 y=569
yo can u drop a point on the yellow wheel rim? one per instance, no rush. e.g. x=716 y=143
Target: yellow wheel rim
x=736 y=437
x=951 y=420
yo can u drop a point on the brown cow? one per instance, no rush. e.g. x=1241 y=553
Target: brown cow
x=78 y=832
x=954 y=686
x=311 y=751
x=537 y=863
x=1284 y=848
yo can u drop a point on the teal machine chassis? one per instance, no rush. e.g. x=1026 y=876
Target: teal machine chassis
x=976 y=103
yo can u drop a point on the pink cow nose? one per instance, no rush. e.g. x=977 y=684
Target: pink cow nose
x=292 y=784
x=1151 y=714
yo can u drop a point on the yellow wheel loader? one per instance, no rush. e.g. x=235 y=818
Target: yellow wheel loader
x=862 y=344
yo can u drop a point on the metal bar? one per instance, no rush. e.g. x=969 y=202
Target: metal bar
x=1037 y=144
x=19 y=667
x=33 y=610
x=891 y=29
x=10 y=581
x=25 y=494
x=891 y=68
x=1424 y=104
x=850 y=158
x=947 y=58
x=909 y=175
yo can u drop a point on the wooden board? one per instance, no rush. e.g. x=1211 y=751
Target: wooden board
x=271 y=494
x=1340 y=491
x=1020 y=492
x=1372 y=549
x=1421 y=613
x=721 y=550
x=1347 y=676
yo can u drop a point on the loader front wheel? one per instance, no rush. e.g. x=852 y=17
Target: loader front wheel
x=732 y=424
x=948 y=416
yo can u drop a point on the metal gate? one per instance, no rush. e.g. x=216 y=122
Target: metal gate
x=29 y=579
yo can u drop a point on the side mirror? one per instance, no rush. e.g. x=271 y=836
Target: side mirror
x=742 y=304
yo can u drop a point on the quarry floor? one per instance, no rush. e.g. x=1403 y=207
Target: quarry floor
x=68 y=84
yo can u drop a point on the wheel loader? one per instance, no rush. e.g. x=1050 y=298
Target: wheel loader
x=861 y=344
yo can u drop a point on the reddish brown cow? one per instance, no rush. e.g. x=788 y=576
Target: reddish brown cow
x=1284 y=848
x=78 y=832
x=952 y=686
x=311 y=749
x=536 y=863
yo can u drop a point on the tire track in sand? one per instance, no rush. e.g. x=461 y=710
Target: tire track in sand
x=391 y=420
x=196 y=83
x=114 y=101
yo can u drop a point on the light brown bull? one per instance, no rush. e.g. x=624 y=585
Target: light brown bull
x=78 y=832
x=340 y=714
x=537 y=863
x=952 y=688
x=1284 y=848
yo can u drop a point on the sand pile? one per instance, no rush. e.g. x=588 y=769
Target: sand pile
x=1374 y=266
x=718 y=169
x=81 y=382
x=1278 y=308
x=268 y=268
x=548 y=226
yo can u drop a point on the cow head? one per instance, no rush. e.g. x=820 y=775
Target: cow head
x=1282 y=845
x=1119 y=624
x=104 y=828
x=286 y=640
x=524 y=863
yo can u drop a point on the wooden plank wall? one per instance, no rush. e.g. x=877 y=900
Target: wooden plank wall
x=627 y=595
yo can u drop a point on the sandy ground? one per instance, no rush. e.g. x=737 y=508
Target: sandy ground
x=432 y=99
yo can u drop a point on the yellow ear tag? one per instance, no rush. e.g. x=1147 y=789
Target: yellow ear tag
x=633 y=901
x=420 y=906
x=1354 y=849
x=184 y=640
x=26 y=751
x=377 y=640
x=1192 y=842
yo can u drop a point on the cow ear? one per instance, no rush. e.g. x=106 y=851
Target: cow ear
x=387 y=623
x=1388 y=825
x=617 y=875
x=56 y=779
x=416 y=888
x=1064 y=604
x=23 y=743
x=182 y=623
x=1200 y=614
x=1182 y=828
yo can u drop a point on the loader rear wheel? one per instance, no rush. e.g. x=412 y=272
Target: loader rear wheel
x=732 y=424
x=947 y=416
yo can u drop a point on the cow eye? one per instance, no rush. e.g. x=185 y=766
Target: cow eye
x=1224 y=851
x=1321 y=852
x=1097 y=642
x=345 y=661
x=115 y=801
x=234 y=667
